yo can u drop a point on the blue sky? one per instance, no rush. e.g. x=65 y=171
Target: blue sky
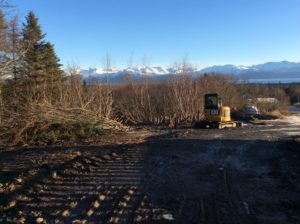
x=160 y=32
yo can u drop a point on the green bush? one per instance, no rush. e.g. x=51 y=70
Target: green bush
x=50 y=132
x=74 y=130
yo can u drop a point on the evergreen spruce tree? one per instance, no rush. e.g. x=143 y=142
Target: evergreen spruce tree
x=32 y=38
x=41 y=64
x=51 y=65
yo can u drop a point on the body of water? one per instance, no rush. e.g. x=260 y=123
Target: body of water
x=280 y=80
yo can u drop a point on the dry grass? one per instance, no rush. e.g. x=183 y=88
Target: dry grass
x=277 y=113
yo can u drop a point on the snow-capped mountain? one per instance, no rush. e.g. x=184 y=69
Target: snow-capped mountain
x=225 y=69
x=94 y=72
x=283 y=69
x=138 y=71
x=147 y=71
x=267 y=70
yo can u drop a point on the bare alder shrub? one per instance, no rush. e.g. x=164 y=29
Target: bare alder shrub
x=180 y=98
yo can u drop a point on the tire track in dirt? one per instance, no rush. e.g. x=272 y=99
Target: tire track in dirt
x=95 y=188
x=188 y=176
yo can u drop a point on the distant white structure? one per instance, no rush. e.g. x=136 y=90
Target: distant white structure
x=261 y=102
x=267 y=100
x=6 y=77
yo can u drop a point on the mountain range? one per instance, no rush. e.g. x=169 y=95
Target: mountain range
x=269 y=70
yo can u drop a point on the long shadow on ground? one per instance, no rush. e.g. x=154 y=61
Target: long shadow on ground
x=225 y=181
x=164 y=180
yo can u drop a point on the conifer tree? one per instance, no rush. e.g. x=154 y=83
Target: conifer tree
x=51 y=65
x=41 y=65
x=32 y=38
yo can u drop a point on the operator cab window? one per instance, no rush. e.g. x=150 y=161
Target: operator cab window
x=211 y=102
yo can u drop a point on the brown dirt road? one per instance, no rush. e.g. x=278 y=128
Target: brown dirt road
x=245 y=175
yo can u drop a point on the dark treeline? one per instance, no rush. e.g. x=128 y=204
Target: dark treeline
x=293 y=91
x=43 y=103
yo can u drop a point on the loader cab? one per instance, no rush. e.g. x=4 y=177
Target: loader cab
x=212 y=101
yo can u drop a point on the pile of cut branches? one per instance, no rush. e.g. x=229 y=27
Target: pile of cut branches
x=43 y=123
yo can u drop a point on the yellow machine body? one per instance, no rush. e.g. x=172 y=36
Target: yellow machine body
x=218 y=115
x=215 y=114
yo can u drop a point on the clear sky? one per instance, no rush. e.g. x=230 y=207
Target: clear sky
x=159 y=32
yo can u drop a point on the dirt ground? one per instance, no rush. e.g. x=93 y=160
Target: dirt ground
x=245 y=175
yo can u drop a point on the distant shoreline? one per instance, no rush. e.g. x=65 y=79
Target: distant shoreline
x=273 y=81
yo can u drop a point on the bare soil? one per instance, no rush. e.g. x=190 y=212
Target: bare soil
x=244 y=175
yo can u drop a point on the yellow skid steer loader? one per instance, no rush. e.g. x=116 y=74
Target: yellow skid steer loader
x=215 y=114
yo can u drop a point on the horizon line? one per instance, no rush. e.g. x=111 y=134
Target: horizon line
x=170 y=66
